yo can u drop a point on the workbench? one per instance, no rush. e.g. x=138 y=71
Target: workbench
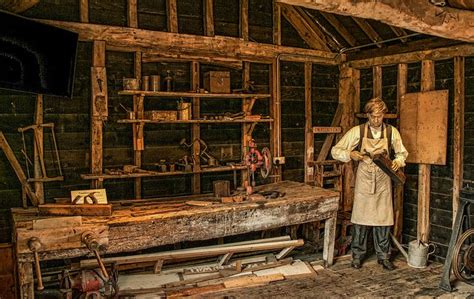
x=141 y=224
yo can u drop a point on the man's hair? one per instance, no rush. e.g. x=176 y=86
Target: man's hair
x=375 y=105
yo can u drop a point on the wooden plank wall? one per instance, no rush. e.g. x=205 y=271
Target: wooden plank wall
x=72 y=118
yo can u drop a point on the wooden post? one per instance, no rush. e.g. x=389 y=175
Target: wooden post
x=138 y=128
x=98 y=100
x=132 y=13
x=329 y=240
x=172 y=13
x=275 y=113
x=246 y=137
x=276 y=23
x=377 y=81
x=196 y=133
x=458 y=131
x=39 y=149
x=349 y=97
x=424 y=171
x=398 y=192
x=208 y=17
x=26 y=280
x=308 y=127
x=84 y=11
x=244 y=19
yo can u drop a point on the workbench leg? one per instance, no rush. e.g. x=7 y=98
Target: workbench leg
x=329 y=240
x=26 y=281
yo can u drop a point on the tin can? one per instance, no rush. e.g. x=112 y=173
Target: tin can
x=184 y=111
x=145 y=83
x=155 y=82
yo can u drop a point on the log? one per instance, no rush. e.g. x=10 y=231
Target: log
x=415 y=15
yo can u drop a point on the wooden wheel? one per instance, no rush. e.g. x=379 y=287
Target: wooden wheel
x=463 y=257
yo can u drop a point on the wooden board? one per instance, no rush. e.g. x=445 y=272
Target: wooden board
x=71 y=210
x=57 y=222
x=423 y=126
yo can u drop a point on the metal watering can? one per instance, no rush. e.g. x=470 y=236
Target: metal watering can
x=418 y=252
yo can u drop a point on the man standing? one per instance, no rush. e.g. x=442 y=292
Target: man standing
x=373 y=189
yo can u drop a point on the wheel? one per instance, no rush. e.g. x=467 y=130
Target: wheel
x=267 y=162
x=463 y=257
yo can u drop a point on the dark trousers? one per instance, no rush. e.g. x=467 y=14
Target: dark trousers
x=381 y=241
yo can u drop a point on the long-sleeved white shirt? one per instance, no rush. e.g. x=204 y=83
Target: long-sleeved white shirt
x=342 y=150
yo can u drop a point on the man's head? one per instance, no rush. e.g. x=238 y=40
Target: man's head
x=375 y=109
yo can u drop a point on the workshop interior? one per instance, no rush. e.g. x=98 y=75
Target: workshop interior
x=236 y=149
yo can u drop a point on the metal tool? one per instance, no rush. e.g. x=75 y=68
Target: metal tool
x=204 y=153
x=255 y=159
x=88 y=199
x=35 y=245
x=90 y=240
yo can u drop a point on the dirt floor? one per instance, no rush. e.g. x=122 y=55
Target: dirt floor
x=342 y=281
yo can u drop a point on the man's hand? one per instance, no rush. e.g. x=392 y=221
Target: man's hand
x=356 y=156
x=395 y=165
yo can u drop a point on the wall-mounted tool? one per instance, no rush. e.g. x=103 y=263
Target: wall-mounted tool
x=256 y=159
x=205 y=154
x=35 y=245
x=38 y=145
x=92 y=243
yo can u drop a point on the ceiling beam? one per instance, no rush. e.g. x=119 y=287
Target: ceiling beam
x=399 y=32
x=415 y=15
x=322 y=32
x=133 y=39
x=346 y=35
x=17 y=6
x=308 y=34
x=369 y=31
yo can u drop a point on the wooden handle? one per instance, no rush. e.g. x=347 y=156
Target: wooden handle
x=39 y=277
x=101 y=264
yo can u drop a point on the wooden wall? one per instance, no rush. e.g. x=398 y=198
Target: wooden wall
x=71 y=116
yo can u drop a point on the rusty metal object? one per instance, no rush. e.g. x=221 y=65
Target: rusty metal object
x=92 y=243
x=155 y=82
x=463 y=257
x=145 y=83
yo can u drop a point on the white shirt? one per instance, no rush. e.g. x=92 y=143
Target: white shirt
x=342 y=150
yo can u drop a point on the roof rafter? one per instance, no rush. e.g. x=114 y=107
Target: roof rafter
x=369 y=31
x=348 y=37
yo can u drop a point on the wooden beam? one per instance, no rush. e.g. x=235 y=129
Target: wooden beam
x=424 y=170
x=323 y=153
x=172 y=14
x=340 y=28
x=434 y=54
x=98 y=61
x=132 y=13
x=18 y=6
x=244 y=19
x=308 y=34
x=276 y=23
x=369 y=31
x=165 y=57
x=39 y=149
x=415 y=15
x=246 y=128
x=84 y=11
x=132 y=39
x=208 y=17
x=138 y=128
x=309 y=135
x=402 y=79
x=275 y=114
x=318 y=28
x=196 y=129
x=458 y=131
x=377 y=81
x=399 y=32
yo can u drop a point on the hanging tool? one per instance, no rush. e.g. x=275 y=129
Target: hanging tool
x=35 y=245
x=205 y=154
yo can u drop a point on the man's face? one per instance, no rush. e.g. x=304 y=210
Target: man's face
x=375 y=119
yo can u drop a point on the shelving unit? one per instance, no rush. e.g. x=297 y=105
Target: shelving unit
x=248 y=125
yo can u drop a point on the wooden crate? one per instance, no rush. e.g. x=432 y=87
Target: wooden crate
x=217 y=82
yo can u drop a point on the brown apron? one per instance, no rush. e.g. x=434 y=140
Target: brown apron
x=373 y=188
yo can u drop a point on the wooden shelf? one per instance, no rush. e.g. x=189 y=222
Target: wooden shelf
x=175 y=94
x=157 y=174
x=193 y=121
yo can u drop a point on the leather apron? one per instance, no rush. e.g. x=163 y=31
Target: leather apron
x=373 y=187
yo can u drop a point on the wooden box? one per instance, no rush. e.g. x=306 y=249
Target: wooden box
x=217 y=82
x=161 y=115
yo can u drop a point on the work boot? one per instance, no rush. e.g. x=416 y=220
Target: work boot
x=356 y=263
x=386 y=264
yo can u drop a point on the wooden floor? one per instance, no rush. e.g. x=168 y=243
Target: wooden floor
x=342 y=281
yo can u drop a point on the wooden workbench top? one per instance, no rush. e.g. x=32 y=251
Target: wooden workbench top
x=140 y=224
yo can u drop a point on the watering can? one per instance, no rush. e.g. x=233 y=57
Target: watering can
x=418 y=252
